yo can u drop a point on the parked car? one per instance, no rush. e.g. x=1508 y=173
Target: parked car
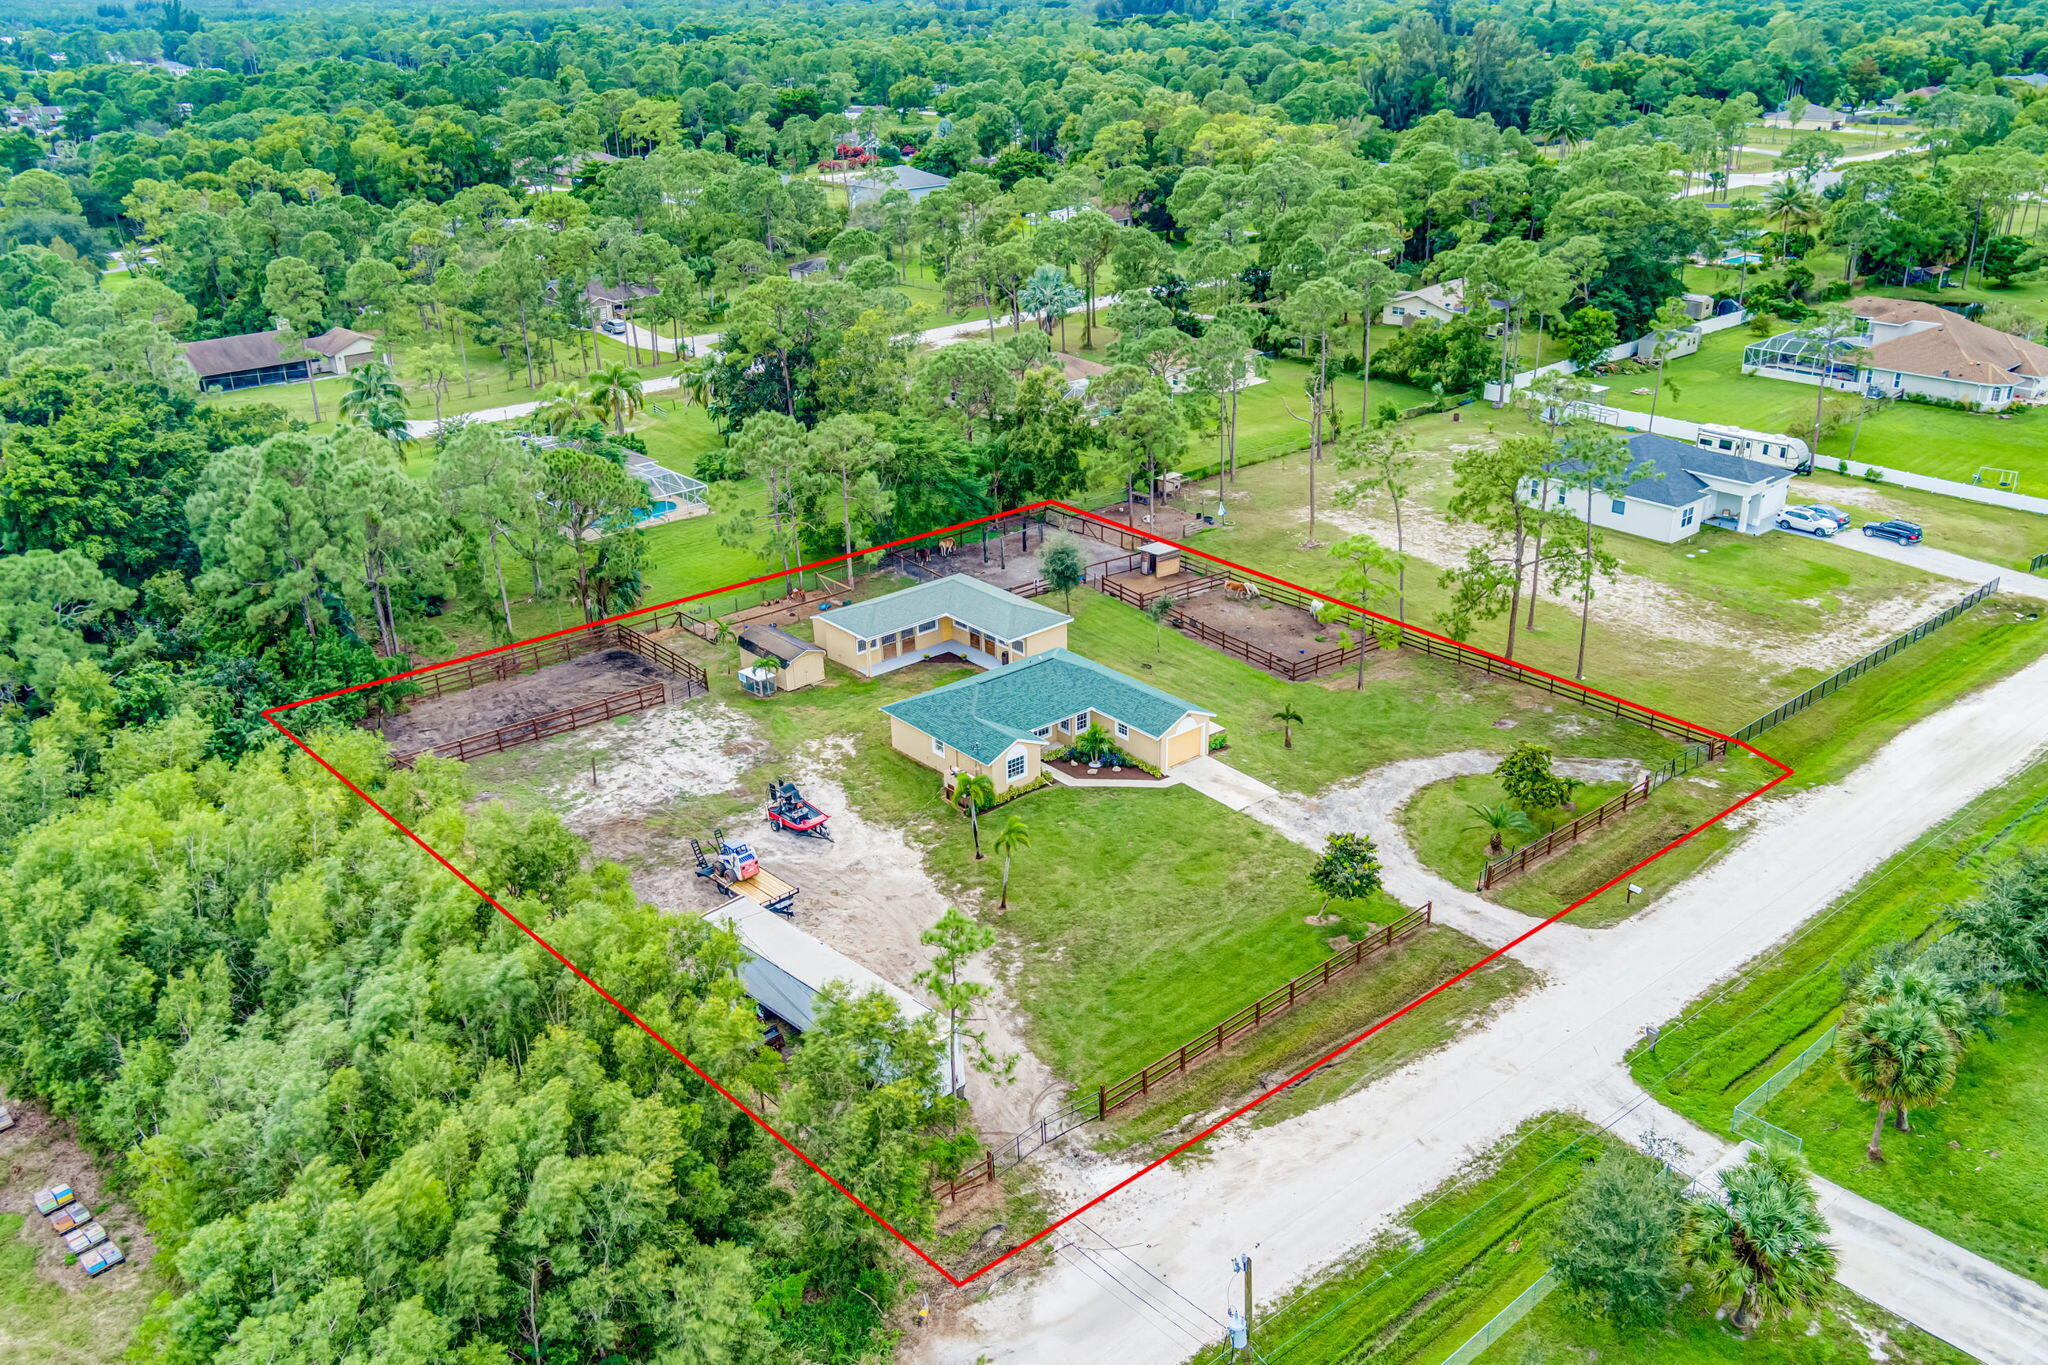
x=1834 y=514
x=1904 y=532
x=1808 y=520
x=612 y=327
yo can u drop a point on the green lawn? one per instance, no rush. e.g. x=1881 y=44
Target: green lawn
x=1730 y=1041
x=1442 y=830
x=1972 y=1168
x=1465 y=1251
x=1709 y=386
x=493 y=382
x=1411 y=705
x=1556 y=1335
x=51 y=1325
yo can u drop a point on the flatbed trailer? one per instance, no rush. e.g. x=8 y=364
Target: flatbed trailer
x=727 y=859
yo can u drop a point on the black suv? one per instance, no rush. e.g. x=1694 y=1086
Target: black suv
x=1904 y=532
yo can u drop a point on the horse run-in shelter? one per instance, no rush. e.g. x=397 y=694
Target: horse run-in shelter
x=999 y=724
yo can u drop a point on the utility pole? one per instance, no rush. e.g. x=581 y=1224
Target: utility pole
x=1241 y=1327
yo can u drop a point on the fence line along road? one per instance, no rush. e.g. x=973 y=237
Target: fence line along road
x=1747 y=1122
x=1777 y=715
x=1564 y=836
x=1105 y=1100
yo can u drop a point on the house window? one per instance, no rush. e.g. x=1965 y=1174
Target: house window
x=939 y=747
x=1123 y=731
x=1399 y=311
x=1619 y=507
x=1043 y=732
x=1686 y=518
x=928 y=627
x=863 y=646
x=1015 y=768
x=1017 y=645
x=1535 y=488
x=1080 y=723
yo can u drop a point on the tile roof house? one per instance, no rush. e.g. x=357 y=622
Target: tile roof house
x=253 y=358
x=1921 y=349
x=956 y=615
x=999 y=724
x=1677 y=489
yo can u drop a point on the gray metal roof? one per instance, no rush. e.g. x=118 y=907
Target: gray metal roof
x=775 y=643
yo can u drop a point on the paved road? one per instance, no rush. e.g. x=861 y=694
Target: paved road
x=1947 y=563
x=1745 y=179
x=697 y=345
x=1141 y=1277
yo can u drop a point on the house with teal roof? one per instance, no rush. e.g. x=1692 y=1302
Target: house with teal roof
x=956 y=615
x=1000 y=724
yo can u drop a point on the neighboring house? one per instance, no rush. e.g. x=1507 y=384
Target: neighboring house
x=1918 y=348
x=1678 y=489
x=1680 y=343
x=790 y=662
x=1079 y=371
x=243 y=362
x=1439 y=302
x=614 y=302
x=955 y=615
x=1813 y=116
x=1911 y=349
x=1188 y=378
x=999 y=724
x=2037 y=79
x=42 y=116
x=809 y=265
x=873 y=184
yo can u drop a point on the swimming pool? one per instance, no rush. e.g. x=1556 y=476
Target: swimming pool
x=661 y=508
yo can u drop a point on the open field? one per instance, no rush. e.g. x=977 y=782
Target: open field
x=1709 y=386
x=54 y=1314
x=1729 y=1042
x=1463 y=1252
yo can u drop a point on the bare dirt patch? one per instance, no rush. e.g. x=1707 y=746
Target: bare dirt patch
x=554 y=688
x=69 y=1317
x=1285 y=630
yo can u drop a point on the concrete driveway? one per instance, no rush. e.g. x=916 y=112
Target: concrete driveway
x=1211 y=776
x=1947 y=563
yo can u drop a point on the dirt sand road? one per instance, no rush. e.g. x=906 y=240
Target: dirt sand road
x=1308 y=1190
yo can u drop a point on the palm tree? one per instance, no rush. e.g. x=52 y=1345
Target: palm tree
x=1895 y=1055
x=1499 y=820
x=693 y=382
x=1763 y=1243
x=1049 y=296
x=370 y=387
x=561 y=407
x=977 y=793
x=1288 y=718
x=1011 y=837
x=1789 y=201
x=615 y=392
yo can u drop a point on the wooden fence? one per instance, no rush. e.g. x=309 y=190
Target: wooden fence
x=1564 y=836
x=443 y=682
x=1088 y=1107
x=542 y=727
x=691 y=682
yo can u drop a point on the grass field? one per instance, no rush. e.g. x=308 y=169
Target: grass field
x=1972 y=1168
x=50 y=1325
x=1709 y=386
x=1462 y=1253
x=1728 y=1042
x=1445 y=836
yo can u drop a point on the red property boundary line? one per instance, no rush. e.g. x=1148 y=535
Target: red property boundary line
x=271 y=714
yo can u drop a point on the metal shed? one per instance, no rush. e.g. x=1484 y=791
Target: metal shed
x=786 y=970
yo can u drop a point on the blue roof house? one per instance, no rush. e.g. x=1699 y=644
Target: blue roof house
x=1000 y=723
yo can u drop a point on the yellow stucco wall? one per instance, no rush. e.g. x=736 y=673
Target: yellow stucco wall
x=839 y=643
x=808 y=670
x=907 y=739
